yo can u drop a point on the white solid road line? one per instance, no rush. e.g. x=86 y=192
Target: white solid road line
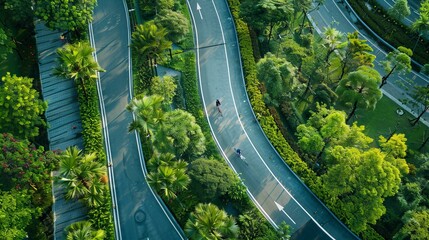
x=241 y=124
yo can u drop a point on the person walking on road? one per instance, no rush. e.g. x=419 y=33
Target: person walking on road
x=218 y=107
x=238 y=152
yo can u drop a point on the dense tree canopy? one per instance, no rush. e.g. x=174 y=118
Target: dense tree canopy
x=358 y=182
x=164 y=86
x=16 y=212
x=73 y=15
x=6 y=45
x=211 y=177
x=360 y=89
x=175 y=22
x=400 y=9
x=415 y=226
x=21 y=109
x=398 y=60
x=278 y=75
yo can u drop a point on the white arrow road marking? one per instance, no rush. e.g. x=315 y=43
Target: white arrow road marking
x=199 y=10
x=280 y=207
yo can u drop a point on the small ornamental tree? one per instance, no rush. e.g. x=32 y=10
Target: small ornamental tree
x=20 y=107
x=23 y=166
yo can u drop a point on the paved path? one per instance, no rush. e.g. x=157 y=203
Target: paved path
x=270 y=182
x=138 y=212
x=63 y=118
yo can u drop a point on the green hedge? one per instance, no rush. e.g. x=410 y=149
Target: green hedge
x=261 y=111
x=100 y=216
x=391 y=30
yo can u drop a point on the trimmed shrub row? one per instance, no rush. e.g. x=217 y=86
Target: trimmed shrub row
x=391 y=30
x=265 y=119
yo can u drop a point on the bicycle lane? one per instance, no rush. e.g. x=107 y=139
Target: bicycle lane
x=221 y=78
x=138 y=212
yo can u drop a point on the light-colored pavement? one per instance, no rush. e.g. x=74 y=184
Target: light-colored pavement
x=275 y=189
x=138 y=212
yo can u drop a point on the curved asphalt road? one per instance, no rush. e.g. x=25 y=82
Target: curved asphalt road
x=138 y=212
x=277 y=192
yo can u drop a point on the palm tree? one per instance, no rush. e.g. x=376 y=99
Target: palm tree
x=81 y=176
x=149 y=41
x=76 y=62
x=149 y=114
x=83 y=231
x=210 y=222
x=168 y=180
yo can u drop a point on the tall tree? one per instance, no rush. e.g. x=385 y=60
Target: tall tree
x=398 y=60
x=356 y=54
x=360 y=89
x=278 y=75
x=415 y=226
x=420 y=100
x=263 y=14
x=149 y=42
x=400 y=10
x=358 y=181
x=210 y=222
x=333 y=40
x=72 y=15
x=21 y=109
x=421 y=25
x=211 y=177
x=82 y=176
x=175 y=22
x=23 y=166
x=75 y=61
x=16 y=212
x=395 y=149
x=185 y=139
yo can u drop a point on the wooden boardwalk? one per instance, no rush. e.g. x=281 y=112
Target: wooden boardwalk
x=63 y=118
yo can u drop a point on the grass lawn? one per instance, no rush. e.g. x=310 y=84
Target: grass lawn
x=384 y=120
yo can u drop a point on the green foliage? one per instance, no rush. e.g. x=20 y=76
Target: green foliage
x=253 y=226
x=176 y=23
x=360 y=89
x=278 y=75
x=101 y=215
x=400 y=10
x=73 y=15
x=81 y=175
x=212 y=178
x=396 y=149
x=357 y=182
x=149 y=42
x=399 y=61
x=83 y=230
x=16 y=212
x=210 y=222
x=20 y=107
x=168 y=177
x=23 y=166
x=20 y=11
x=415 y=225
x=261 y=111
x=164 y=86
x=6 y=45
x=393 y=31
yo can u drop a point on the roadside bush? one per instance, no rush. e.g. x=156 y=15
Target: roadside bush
x=393 y=31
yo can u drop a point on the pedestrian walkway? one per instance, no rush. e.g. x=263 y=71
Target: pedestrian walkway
x=63 y=118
